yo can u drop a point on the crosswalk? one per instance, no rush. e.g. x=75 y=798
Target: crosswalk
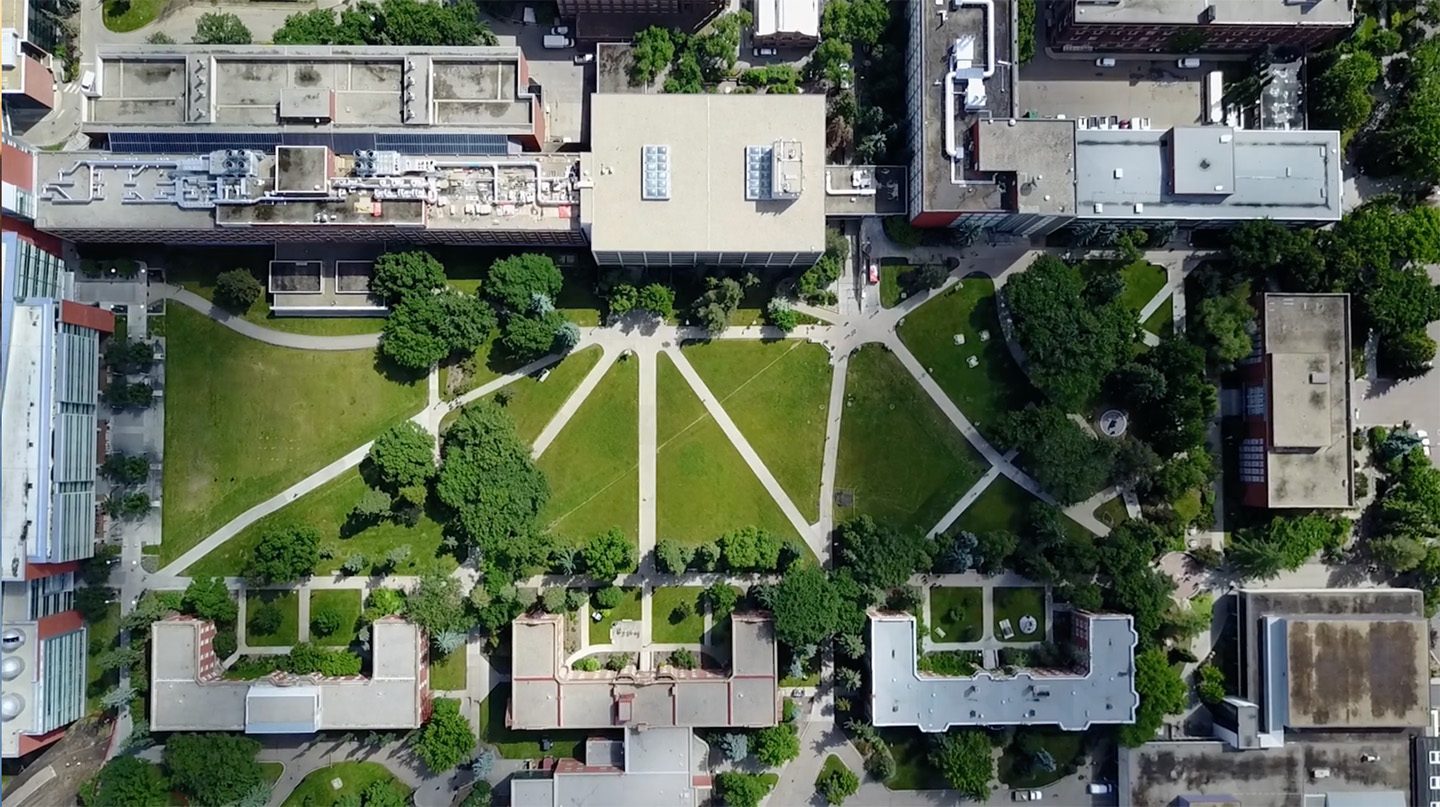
x=71 y=89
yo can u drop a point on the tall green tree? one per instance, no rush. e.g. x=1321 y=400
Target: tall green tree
x=810 y=607
x=220 y=28
x=879 y=555
x=285 y=553
x=1225 y=325
x=404 y=455
x=209 y=598
x=130 y=782
x=609 y=554
x=488 y=479
x=963 y=757
x=237 y=290
x=777 y=745
x=213 y=769
x=1068 y=462
x=652 y=51
x=1162 y=692
x=1340 y=93
x=400 y=274
x=513 y=283
x=446 y=739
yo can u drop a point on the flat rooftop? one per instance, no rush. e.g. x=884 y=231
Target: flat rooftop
x=310 y=88
x=1041 y=154
x=1071 y=699
x=661 y=763
x=1219 y=12
x=1211 y=172
x=1357 y=672
x=698 y=151
x=787 y=17
x=25 y=440
x=1307 y=349
x=1157 y=773
x=883 y=189
x=546 y=693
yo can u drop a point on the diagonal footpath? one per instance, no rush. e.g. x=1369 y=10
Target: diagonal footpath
x=831 y=461
x=572 y=403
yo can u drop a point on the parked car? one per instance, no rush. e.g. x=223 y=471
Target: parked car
x=87 y=82
x=561 y=30
x=1105 y=61
x=764 y=51
x=1188 y=63
x=584 y=58
x=1027 y=795
x=1100 y=788
x=872 y=272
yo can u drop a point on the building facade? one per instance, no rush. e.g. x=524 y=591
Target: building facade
x=29 y=32
x=1190 y=26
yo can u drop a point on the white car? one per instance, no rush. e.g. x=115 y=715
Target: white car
x=584 y=58
x=1100 y=788
x=1027 y=795
x=1105 y=61
x=764 y=51
x=87 y=82
x=1188 y=63
x=561 y=30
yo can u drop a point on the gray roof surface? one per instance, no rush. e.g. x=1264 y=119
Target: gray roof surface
x=658 y=769
x=1041 y=153
x=1307 y=345
x=1072 y=700
x=707 y=210
x=1227 y=12
x=1282 y=175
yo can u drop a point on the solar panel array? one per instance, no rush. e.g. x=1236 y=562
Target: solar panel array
x=655 y=173
x=419 y=144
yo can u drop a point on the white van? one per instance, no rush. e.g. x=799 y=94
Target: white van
x=558 y=41
x=87 y=82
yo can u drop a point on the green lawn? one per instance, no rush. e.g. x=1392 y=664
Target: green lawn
x=130 y=15
x=899 y=456
x=913 y=770
x=526 y=744
x=593 y=463
x=1112 y=512
x=315 y=790
x=703 y=486
x=832 y=764
x=629 y=608
x=272 y=771
x=533 y=403
x=1066 y=748
x=995 y=386
x=201 y=280
x=104 y=635
x=289 y=631
x=347 y=603
x=664 y=628
x=1013 y=603
x=956 y=614
x=778 y=393
x=892 y=270
x=1142 y=282
x=447 y=673
x=467 y=266
x=1004 y=505
x=327 y=509
x=244 y=420
x=1162 y=321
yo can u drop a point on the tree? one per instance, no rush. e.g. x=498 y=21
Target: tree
x=159 y=38
x=213 y=769
x=384 y=794
x=881 y=556
x=1210 y=684
x=398 y=275
x=404 y=455
x=993 y=550
x=237 y=290
x=422 y=329
x=780 y=313
x=713 y=308
x=686 y=77
x=737 y=789
x=1162 y=693
x=513 y=282
x=963 y=757
x=552 y=600
x=1410 y=134
x=1225 y=324
x=128 y=356
x=123 y=395
x=777 y=745
x=657 y=299
x=735 y=746
x=880 y=762
x=750 y=549
x=1286 y=543
x=373 y=506
x=653 y=50
x=1067 y=461
x=609 y=554
x=836 y=782
x=265 y=620
x=285 y=553
x=672 y=556
x=325 y=621
x=1407 y=355
x=130 y=782
x=530 y=337
x=720 y=598
x=436 y=605
x=208 y=598
x=1172 y=411
x=1401 y=300
x=623 y=299
x=489 y=480
x=126 y=469
x=220 y=28
x=608 y=597
x=810 y=607
x=412 y=23
x=396 y=556
x=314 y=27
x=446 y=739
x=1340 y=92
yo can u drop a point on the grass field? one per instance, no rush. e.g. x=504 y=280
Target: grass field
x=288 y=602
x=1112 y=512
x=526 y=744
x=201 y=280
x=326 y=509
x=892 y=272
x=1143 y=281
x=1013 y=603
x=122 y=16
x=104 y=636
x=533 y=403
x=664 y=628
x=703 y=486
x=956 y=614
x=1004 y=505
x=593 y=463
x=1065 y=747
x=244 y=420
x=904 y=462
x=447 y=673
x=996 y=385
x=913 y=770
x=315 y=790
x=272 y=771
x=345 y=602
x=1162 y=321
x=629 y=608
x=778 y=393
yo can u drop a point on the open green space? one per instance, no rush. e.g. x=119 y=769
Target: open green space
x=992 y=388
x=288 y=603
x=1014 y=603
x=104 y=635
x=900 y=458
x=316 y=789
x=327 y=509
x=272 y=771
x=447 y=672
x=913 y=770
x=1067 y=748
x=1143 y=280
x=244 y=420
x=1004 y=505
x=629 y=608
x=956 y=614
x=778 y=393
x=1112 y=512
x=345 y=602
x=593 y=465
x=122 y=16
x=200 y=279
x=533 y=403
x=704 y=488
x=466 y=267
x=892 y=274
x=665 y=629
x=526 y=744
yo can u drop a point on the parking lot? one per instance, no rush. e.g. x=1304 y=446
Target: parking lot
x=565 y=86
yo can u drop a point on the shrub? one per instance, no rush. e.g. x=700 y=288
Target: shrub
x=266 y=619
x=608 y=597
x=237 y=290
x=684 y=659
x=587 y=664
x=325 y=622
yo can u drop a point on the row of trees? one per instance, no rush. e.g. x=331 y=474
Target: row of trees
x=389 y=22
x=209 y=769
x=692 y=61
x=748 y=549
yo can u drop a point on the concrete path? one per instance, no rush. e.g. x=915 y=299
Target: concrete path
x=967 y=499
x=648 y=447
x=298 y=341
x=840 y=367
x=572 y=403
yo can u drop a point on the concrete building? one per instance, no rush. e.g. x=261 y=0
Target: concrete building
x=546 y=693
x=188 y=692
x=1296 y=452
x=667 y=765
x=1099 y=690
x=29 y=32
x=1189 y=26
x=786 y=23
x=716 y=180
x=618 y=20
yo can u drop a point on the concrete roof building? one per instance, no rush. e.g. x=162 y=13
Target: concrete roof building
x=1100 y=691
x=187 y=692
x=717 y=180
x=1221 y=25
x=667 y=765
x=29 y=32
x=1297 y=451
x=546 y=693
x=787 y=23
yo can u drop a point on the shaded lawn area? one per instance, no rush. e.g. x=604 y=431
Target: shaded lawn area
x=704 y=488
x=1013 y=603
x=315 y=789
x=447 y=673
x=956 y=614
x=345 y=602
x=1162 y=321
x=131 y=15
x=1005 y=505
x=892 y=275
x=526 y=744
x=913 y=770
x=1066 y=748
x=778 y=393
x=986 y=392
x=244 y=420
x=593 y=465
x=1112 y=512
x=1143 y=280
x=104 y=636
x=664 y=628
x=629 y=608
x=460 y=374
x=903 y=460
x=327 y=509
x=198 y=274
x=272 y=771
x=288 y=602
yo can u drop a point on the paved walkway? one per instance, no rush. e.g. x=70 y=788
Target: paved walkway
x=270 y=336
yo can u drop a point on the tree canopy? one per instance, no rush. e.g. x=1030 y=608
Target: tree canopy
x=208 y=598
x=879 y=555
x=810 y=606
x=404 y=455
x=1066 y=460
x=220 y=28
x=652 y=51
x=436 y=605
x=285 y=553
x=213 y=769
x=1285 y=542
x=512 y=283
x=963 y=757
x=777 y=745
x=737 y=789
x=1340 y=92
x=609 y=554
x=488 y=479
x=237 y=290
x=130 y=782
x=1162 y=692
x=400 y=274
x=446 y=739
x=423 y=329
x=751 y=549
x=391 y=22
